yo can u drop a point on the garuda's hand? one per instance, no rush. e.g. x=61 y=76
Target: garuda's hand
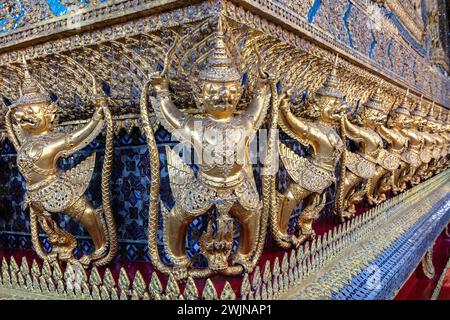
x=285 y=104
x=157 y=80
x=100 y=101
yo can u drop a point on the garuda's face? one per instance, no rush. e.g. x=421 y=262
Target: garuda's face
x=330 y=108
x=220 y=99
x=374 y=117
x=32 y=118
x=430 y=126
x=418 y=121
x=399 y=120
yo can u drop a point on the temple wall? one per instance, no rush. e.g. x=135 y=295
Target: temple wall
x=393 y=44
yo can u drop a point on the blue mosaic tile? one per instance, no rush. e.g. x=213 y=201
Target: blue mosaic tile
x=130 y=187
x=397 y=262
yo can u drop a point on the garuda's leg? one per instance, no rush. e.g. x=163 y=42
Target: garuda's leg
x=441 y=165
x=431 y=168
x=396 y=187
x=91 y=219
x=347 y=195
x=62 y=242
x=374 y=184
x=385 y=186
x=249 y=221
x=313 y=205
x=420 y=174
x=288 y=201
x=175 y=224
x=407 y=176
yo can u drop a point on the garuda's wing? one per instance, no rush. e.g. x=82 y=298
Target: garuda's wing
x=67 y=188
x=80 y=176
x=180 y=174
x=292 y=162
x=359 y=165
x=303 y=172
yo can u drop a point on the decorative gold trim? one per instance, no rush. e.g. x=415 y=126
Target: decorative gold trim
x=427 y=264
x=437 y=289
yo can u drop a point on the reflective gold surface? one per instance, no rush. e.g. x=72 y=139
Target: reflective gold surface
x=318 y=128
x=50 y=191
x=228 y=73
x=225 y=178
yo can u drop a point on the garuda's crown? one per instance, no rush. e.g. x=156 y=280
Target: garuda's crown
x=330 y=87
x=418 y=109
x=375 y=102
x=31 y=92
x=403 y=107
x=220 y=68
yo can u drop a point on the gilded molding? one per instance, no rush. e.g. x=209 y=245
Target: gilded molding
x=279 y=13
x=270 y=10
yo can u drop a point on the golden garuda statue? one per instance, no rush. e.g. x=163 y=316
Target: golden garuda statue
x=439 y=134
x=388 y=159
x=419 y=115
x=312 y=175
x=446 y=121
x=224 y=181
x=431 y=128
x=411 y=155
x=51 y=191
x=398 y=120
x=360 y=167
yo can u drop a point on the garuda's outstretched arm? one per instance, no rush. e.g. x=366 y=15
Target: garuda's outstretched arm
x=385 y=134
x=295 y=126
x=81 y=137
x=413 y=137
x=353 y=131
x=170 y=116
x=257 y=109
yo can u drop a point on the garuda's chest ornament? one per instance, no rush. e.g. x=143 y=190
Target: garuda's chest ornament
x=51 y=191
x=224 y=181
